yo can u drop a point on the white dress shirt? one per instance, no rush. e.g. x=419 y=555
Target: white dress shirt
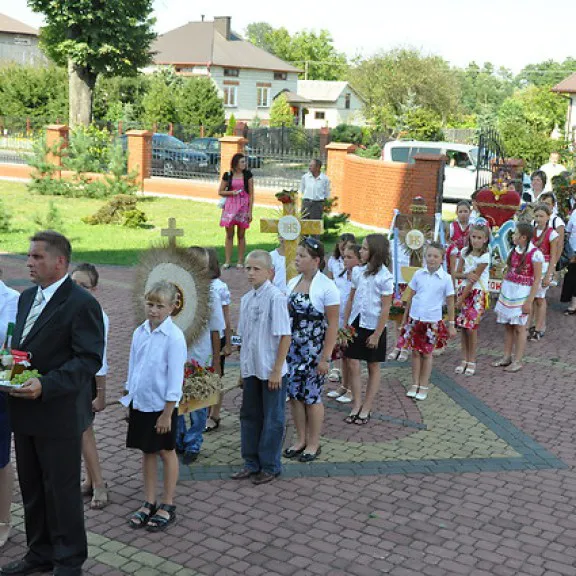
x=264 y=319
x=279 y=265
x=471 y=262
x=104 y=369
x=315 y=188
x=367 y=301
x=8 y=309
x=431 y=291
x=201 y=350
x=571 y=230
x=49 y=291
x=225 y=299
x=335 y=266
x=155 y=367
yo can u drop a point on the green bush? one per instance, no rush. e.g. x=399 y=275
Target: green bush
x=120 y=210
x=374 y=152
x=52 y=220
x=231 y=125
x=333 y=222
x=5 y=218
x=347 y=133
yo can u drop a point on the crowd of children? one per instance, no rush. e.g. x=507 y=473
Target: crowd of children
x=288 y=333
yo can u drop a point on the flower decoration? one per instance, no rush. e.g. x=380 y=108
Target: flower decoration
x=344 y=337
x=199 y=382
x=287 y=196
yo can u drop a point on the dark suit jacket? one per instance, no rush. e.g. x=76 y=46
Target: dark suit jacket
x=66 y=343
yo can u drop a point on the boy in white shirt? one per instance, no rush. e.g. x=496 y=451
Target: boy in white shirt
x=264 y=326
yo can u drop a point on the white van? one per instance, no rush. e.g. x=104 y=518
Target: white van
x=460 y=171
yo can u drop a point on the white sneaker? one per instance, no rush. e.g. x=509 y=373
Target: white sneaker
x=344 y=399
x=412 y=391
x=334 y=375
x=422 y=393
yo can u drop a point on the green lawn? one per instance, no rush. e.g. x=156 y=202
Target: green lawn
x=106 y=244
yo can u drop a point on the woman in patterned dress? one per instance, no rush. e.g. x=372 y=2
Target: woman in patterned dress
x=314 y=304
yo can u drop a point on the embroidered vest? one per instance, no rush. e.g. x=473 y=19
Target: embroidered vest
x=524 y=275
x=544 y=246
x=459 y=235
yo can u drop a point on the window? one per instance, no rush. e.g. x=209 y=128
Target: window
x=263 y=97
x=231 y=72
x=347 y=99
x=280 y=75
x=319 y=115
x=230 y=96
x=400 y=154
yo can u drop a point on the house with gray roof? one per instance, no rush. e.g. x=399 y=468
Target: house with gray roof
x=247 y=77
x=19 y=42
x=568 y=87
x=330 y=103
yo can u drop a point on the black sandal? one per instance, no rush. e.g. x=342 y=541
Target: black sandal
x=141 y=518
x=159 y=523
x=569 y=311
x=360 y=421
x=351 y=418
x=209 y=428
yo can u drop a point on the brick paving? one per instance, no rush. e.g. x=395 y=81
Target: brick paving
x=477 y=480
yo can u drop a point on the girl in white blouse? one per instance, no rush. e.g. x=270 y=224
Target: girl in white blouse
x=423 y=329
x=367 y=312
x=474 y=269
x=153 y=390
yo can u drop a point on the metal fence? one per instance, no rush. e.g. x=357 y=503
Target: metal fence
x=17 y=138
x=278 y=157
x=490 y=152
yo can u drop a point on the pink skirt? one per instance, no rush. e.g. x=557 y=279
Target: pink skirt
x=423 y=337
x=236 y=211
x=472 y=309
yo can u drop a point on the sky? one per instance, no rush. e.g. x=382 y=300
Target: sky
x=509 y=33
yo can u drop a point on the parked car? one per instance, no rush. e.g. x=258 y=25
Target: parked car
x=211 y=147
x=173 y=158
x=461 y=164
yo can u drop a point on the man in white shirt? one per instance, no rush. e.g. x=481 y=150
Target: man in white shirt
x=315 y=188
x=551 y=169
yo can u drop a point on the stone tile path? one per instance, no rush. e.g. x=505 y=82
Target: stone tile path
x=478 y=479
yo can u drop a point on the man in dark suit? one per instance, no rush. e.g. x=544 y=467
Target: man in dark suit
x=61 y=326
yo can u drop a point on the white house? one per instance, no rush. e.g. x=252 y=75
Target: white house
x=247 y=77
x=19 y=42
x=330 y=104
x=568 y=87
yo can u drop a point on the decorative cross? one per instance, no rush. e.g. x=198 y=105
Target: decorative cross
x=291 y=227
x=172 y=232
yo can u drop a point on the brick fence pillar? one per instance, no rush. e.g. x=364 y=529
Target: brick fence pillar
x=324 y=141
x=140 y=154
x=56 y=139
x=336 y=153
x=230 y=145
x=428 y=179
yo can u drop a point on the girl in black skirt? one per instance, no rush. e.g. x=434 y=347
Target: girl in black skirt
x=367 y=312
x=153 y=389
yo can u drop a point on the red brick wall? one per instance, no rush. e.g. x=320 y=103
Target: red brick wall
x=370 y=190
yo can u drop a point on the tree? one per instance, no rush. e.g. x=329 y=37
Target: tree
x=314 y=52
x=94 y=37
x=386 y=82
x=199 y=103
x=280 y=112
x=257 y=32
x=547 y=73
x=161 y=101
x=29 y=91
x=119 y=98
x=526 y=120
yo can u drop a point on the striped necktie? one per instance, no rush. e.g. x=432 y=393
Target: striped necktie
x=35 y=311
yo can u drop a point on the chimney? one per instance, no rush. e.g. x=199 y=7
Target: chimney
x=222 y=25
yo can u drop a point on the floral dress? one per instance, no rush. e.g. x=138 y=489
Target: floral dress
x=308 y=331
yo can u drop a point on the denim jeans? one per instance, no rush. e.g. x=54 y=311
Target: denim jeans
x=191 y=440
x=262 y=418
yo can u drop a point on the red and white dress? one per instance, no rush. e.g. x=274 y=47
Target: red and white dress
x=425 y=331
x=545 y=246
x=517 y=285
x=475 y=304
x=458 y=235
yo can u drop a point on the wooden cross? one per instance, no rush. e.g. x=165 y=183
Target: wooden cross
x=172 y=232
x=291 y=227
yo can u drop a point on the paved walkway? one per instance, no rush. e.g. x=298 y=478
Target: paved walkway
x=478 y=479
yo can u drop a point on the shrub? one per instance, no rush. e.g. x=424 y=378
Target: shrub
x=5 y=218
x=231 y=125
x=347 y=133
x=52 y=220
x=120 y=210
x=333 y=222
